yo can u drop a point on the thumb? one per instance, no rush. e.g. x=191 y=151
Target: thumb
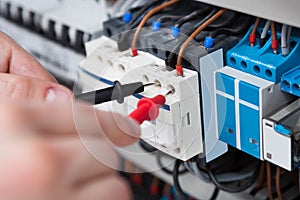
x=16 y=87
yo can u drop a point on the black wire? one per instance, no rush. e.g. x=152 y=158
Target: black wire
x=188 y=18
x=177 y=186
x=134 y=22
x=236 y=189
x=171 y=60
x=227 y=22
x=163 y=168
x=167 y=18
x=147 y=147
x=215 y=194
x=232 y=31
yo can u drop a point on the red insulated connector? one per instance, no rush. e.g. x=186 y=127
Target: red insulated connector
x=154 y=190
x=252 y=39
x=147 y=109
x=274 y=44
x=179 y=70
x=134 y=52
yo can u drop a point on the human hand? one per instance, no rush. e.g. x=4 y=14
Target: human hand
x=45 y=150
x=22 y=77
x=42 y=154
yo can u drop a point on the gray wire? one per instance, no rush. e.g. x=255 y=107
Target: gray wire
x=288 y=38
x=285 y=39
x=265 y=30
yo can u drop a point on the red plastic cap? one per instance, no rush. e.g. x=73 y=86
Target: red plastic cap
x=274 y=44
x=148 y=109
x=252 y=39
x=154 y=189
x=134 y=52
x=179 y=70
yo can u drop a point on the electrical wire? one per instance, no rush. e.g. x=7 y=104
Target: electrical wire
x=231 y=31
x=252 y=36
x=165 y=18
x=278 y=188
x=239 y=188
x=188 y=18
x=285 y=39
x=177 y=186
x=215 y=194
x=269 y=181
x=135 y=21
x=274 y=37
x=179 y=69
x=263 y=35
x=144 y=20
x=170 y=61
x=225 y=23
x=159 y=155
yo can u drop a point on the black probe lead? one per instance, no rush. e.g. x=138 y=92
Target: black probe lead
x=116 y=92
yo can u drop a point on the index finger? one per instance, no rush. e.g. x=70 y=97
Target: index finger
x=15 y=60
x=67 y=119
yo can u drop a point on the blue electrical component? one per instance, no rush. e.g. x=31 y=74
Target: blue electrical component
x=127 y=17
x=156 y=26
x=261 y=61
x=242 y=100
x=175 y=31
x=290 y=81
x=208 y=42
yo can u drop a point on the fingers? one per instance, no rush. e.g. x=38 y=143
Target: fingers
x=15 y=87
x=15 y=60
x=65 y=119
x=80 y=164
x=110 y=188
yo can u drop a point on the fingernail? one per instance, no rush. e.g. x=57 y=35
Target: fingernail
x=57 y=94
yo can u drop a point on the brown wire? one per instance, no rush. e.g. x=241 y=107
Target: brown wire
x=255 y=25
x=269 y=181
x=147 y=16
x=195 y=33
x=273 y=29
x=278 y=189
x=261 y=178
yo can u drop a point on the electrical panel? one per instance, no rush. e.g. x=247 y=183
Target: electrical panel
x=232 y=88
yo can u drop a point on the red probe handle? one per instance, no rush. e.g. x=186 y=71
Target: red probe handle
x=147 y=109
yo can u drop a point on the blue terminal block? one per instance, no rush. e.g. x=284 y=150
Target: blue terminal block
x=290 y=81
x=261 y=61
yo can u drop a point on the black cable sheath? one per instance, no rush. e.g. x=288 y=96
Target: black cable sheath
x=177 y=186
x=188 y=18
x=232 y=31
x=240 y=188
x=171 y=60
x=215 y=194
x=163 y=168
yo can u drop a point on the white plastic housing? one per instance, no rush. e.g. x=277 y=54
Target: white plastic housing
x=177 y=131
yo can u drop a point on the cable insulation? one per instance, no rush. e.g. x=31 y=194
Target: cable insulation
x=192 y=36
x=147 y=16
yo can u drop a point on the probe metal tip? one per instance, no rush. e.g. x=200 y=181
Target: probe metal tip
x=149 y=84
x=169 y=93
